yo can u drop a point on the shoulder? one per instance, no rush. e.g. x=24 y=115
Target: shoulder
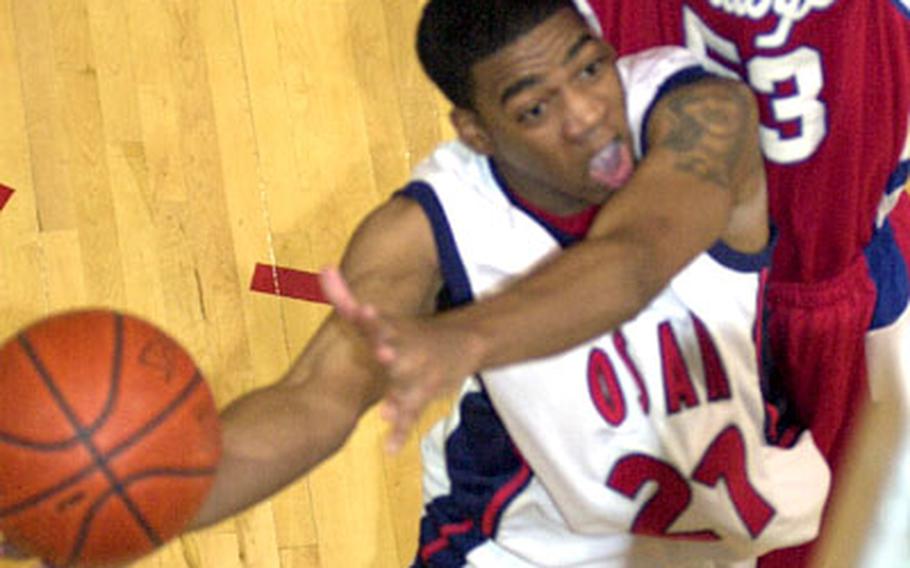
x=453 y=163
x=456 y=182
x=400 y=223
x=450 y=165
x=648 y=76
x=708 y=128
x=709 y=105
x=391 y=260
x=665 y=73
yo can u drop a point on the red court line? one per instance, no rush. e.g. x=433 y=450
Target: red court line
x=5 y=194
x=287 y=283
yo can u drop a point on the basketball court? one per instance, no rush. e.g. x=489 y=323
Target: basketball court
x=193 y=162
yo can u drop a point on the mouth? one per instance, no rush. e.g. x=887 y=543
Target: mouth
x=612 y=166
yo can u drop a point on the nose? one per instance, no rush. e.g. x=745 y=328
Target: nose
x=583 y=112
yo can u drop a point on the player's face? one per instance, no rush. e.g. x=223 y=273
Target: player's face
x=549 y=110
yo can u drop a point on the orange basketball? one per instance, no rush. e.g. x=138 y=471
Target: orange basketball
x=109 y=438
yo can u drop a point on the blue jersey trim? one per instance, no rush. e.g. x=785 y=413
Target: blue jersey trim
x=681 y=78
x=898 y=178
x=481 y=460
x=888 y=271
x=564 y=239
x=903 y=6
x=742 y=261
x=457 y=286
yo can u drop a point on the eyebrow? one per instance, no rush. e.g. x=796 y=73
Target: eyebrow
x=527 y=82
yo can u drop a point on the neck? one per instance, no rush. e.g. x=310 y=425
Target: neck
x=541 y=196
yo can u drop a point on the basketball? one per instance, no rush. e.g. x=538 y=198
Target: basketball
x=109 y=438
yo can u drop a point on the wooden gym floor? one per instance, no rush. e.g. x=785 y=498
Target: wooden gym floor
x=159 y=150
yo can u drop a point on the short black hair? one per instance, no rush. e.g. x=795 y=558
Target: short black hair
x=453 y=35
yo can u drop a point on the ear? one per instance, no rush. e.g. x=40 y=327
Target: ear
x=471 y=130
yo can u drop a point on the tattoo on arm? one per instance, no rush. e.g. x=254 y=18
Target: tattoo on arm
x=708 y=129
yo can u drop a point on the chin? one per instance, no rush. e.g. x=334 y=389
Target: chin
x=600 y=194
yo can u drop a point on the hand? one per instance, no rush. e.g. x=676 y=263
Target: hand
x=424 y=358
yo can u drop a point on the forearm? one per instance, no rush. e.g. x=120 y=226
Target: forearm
x=703 y=160
x=630 y=255
x=275 y=435
x=271 y=438
x=592 y=288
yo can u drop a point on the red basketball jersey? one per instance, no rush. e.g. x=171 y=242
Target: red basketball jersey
x=832 y=78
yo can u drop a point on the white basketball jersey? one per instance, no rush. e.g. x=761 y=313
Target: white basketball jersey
x=654 y=430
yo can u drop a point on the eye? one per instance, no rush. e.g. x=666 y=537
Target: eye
x=532 y=113
x=592 y=69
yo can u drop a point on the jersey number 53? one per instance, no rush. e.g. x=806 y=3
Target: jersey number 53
x=799 y=108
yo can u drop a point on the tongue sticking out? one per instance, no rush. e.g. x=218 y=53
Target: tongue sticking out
x=612 y=166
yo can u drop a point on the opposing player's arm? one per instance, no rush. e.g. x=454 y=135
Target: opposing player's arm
x=274 y=435
x=701 y=180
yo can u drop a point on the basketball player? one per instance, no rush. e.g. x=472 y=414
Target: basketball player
x=675 y=397
x=555 y=131
x=833 y=84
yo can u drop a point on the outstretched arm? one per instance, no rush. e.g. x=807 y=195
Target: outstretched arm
x=276 y=434
x=702 y=180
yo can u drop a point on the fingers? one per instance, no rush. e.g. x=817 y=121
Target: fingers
x=406 y=398
x=401 y=422
x=385 y=354
x=337 y=292
x=397 y=435
x=373 y=327
x=402 y=408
